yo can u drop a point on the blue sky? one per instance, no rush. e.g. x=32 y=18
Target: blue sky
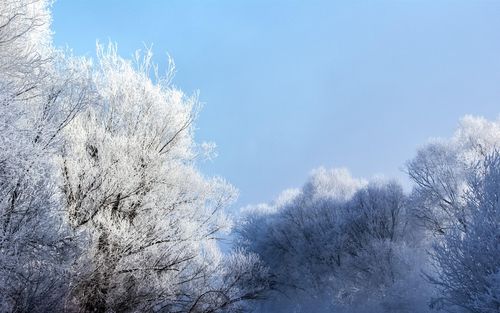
x=289 y=86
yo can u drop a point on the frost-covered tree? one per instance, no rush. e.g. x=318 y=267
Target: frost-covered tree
x=440 y=171
x=38 y=97
x=133 y=190
x=468 y=262
x=454 y=196
x=292 y=234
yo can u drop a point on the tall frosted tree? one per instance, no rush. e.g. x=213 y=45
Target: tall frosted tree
x=133 y=191
x=102 y=207
x=454 y=197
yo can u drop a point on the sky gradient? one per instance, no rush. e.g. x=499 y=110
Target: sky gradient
x=289 y=86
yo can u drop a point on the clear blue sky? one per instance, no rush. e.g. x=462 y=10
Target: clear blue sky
x=292 y=85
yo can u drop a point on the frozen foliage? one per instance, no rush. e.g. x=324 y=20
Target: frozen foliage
x=37 y=99
x=454 y=198
x=468 y=262
x=131 y=186
x=335 y=184
x=102 y=208
x=440 y=170
x=339 y=244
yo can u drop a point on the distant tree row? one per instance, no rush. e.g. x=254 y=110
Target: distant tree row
x=345 y=245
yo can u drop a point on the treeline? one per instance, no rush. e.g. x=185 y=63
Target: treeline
x=341 y=244
x=103 y=209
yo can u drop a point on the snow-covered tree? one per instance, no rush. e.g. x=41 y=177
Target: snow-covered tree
x=39 y=95
x=440 y=171
x=292 y=234
x=132 y=188
x=468 y=262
